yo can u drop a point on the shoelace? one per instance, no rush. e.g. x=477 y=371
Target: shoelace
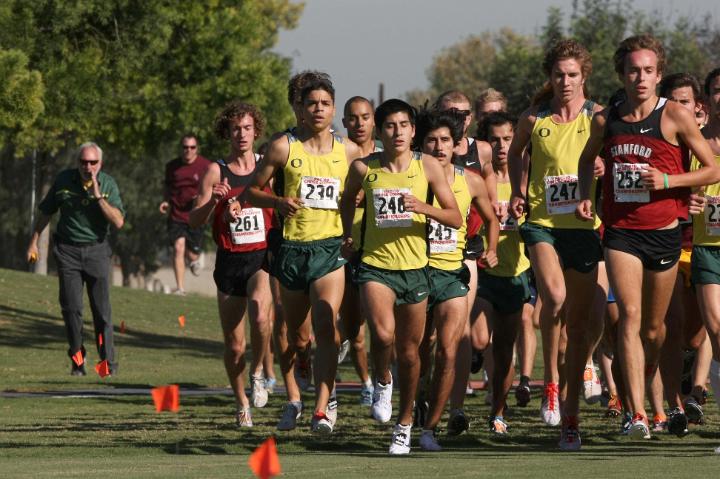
x=400 y=438
x=639 y=417
x=551 y=391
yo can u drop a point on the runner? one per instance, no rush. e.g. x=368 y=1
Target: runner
x=393 y=275
x=437 y=134
x=706 y=236
x=360 y=124
x=308 y=264
x=487 y=102
x=564 y=251
x=242 y=239
x=644 y=194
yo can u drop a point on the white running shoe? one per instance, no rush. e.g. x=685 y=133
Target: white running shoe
x=550 y=409
x=259 y=392
x=343 y=351
x=381 y=408
x=639 y=428
x=321 y=424
x=291 y=413
x=428 y=441
x=366 y=394
x=195 y=267
x=400 y=442
x=270 y=385
x=243 y=418
x=570 y=435
x=592 y=388
x=331 y=411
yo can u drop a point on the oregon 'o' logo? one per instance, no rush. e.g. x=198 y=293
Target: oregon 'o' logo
x=296 y=162
x=372 y=177
x=544 y=132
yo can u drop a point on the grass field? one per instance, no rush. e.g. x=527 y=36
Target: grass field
x=122 y=436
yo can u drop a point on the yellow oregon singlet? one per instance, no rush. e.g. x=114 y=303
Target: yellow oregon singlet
x=706 y=225
x=555 y=149
x=355 y=233
x=446 y=243
x=318 y=180
x=393 y=238
x=511 y=249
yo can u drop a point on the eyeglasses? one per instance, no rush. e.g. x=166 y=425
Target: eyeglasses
x=89 y=162
x=189 y=147
x=458 y=111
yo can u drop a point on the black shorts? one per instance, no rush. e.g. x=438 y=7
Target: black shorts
x=193 y=237
x=234 y=270
x=274 y=238
x=474 y=247
x=658 y=250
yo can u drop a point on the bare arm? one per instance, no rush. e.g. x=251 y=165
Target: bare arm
x=517 y=166
x=211 y=192
x=448 y=214
x=40 y=225
x=586 y=166
x=482 y=204
x=486 y=170
x=353 y=185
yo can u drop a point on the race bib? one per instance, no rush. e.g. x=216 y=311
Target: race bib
x=249 y=227
x=712 y=215
x=561 y=194
x=390 y=208
x=507 y=222
x=629 y=188
x=443 y=239
x=320 y=192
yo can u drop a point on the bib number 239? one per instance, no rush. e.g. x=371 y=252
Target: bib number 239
x=320 y=192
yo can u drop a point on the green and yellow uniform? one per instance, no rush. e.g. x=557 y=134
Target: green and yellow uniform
x=506 y=286
x=393 y=241
x=449 y=277
x=705 y=262
x=312 y=237
x=553 y=191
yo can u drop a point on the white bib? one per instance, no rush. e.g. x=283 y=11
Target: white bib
x=561 y=194
x=390 y=208
x=443 y=239
x=249 y=227
x=629 y=188
x=712 y=215
x=320 y=192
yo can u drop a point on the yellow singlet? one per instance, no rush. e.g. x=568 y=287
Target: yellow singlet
x=553 y=190
x=318 y=180
x=511 y=249
x=446 y=243
x=706 y=226
x=359 y=213
x=393 y=238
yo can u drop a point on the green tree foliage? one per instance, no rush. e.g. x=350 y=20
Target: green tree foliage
x=133 y=76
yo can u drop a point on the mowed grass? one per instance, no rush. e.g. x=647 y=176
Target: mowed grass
x=123 y=436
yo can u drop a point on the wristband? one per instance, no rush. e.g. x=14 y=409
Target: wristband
x=665 y=181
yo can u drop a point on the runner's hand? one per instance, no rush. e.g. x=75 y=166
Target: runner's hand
x=32 y=253
x=517 y=206
x=232 y=212
x=598 y=167
x=288 y=206
x=489 y=258
x=347 y=250
x=220 y=190
x=697 y=204
x=653 y=179
x=412 y=204
x=583 y=210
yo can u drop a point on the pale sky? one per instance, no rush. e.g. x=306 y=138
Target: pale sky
x=361 y=43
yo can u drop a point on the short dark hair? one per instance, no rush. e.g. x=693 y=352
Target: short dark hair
x=430 y=120
x=391 y=106
x=298 y=82
x=496 y=118
x=680 y=80
x=356 y=99
x=318 y=83
x=635 y=43
x=709 y=79
x=237 y=109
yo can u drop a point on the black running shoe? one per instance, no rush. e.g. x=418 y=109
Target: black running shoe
x=677 y=422
x=522 y=392
x=477 y=361
x=693 y=411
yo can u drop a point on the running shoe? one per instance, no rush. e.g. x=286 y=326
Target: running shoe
x=321 y=424
x=331 y=411
x=677 y=422
x=570 y=434
x=614 y=406
x=366 y=394
x=457 y=423
x=694 y=411
x=469 y=391
x=498 y=426
x=592 y=388
x=195 y=267
x=639 y=427
x=428 y=441
x=343 y=351
x=78 y=370
x=270 y=385
x=243 y=418
x=522 y=392
x=626 y=422
x=660 y=423
x=303 y=373
x=477 y=361
x=381 y=408
x=550 y=409
x=290 y=414
x=400 y=442
x=259 y=391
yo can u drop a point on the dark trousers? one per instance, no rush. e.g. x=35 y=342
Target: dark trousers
x=78 y=265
